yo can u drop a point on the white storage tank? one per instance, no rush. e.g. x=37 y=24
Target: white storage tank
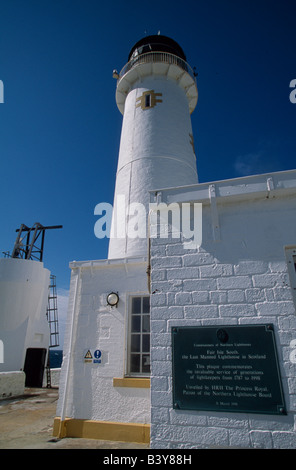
x=24 y=329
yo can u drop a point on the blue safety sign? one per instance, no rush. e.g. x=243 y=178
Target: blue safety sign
x=97 y=356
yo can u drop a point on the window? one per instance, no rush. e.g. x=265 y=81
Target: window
x=147 y=101
x=139 y=338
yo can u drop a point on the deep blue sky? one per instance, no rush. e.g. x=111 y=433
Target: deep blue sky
x=60 y=127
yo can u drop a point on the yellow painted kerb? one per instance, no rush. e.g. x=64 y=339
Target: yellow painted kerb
x=105 y=430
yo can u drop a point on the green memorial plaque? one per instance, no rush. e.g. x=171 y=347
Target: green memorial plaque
x=227 y=368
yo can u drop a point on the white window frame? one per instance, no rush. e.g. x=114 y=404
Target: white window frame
x=130 y=373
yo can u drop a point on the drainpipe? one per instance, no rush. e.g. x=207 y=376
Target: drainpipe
x=157 y=197
x=62 y=430
x=148 y=270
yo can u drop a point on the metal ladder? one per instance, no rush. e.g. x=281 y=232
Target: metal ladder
x=52 y=318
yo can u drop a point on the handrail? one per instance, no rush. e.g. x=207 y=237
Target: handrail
x=152 y=57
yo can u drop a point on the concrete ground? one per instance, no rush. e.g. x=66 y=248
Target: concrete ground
x=26 y=422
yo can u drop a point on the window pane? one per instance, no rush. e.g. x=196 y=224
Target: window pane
x=136 y=323
x=146 y=363
x=147 y=101
x=136 y=305
x=146 y=324
x=135 y=343
x=146 y=343
x=135 y=362
x=146 y=305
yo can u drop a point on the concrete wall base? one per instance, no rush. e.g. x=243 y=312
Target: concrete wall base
x=12 y=384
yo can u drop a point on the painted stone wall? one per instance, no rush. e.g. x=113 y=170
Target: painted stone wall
x=238 y=276
x=87 y=389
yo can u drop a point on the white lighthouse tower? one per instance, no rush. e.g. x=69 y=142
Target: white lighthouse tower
x=105 y=377
x=156 y=93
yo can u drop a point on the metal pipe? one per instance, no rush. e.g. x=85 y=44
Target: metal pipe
x=71 y=354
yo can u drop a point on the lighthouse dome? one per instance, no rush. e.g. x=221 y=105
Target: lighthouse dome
x=156 y=43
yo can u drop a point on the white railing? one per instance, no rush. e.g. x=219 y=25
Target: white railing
x=152 y=57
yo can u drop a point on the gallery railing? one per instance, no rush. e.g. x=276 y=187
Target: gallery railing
x=153 y=57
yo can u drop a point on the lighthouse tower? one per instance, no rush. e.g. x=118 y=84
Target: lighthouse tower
x=156 y=93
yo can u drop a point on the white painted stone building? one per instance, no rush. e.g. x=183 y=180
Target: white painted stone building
x=243 y=273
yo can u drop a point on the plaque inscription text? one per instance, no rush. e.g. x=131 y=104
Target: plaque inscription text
x=231 y=368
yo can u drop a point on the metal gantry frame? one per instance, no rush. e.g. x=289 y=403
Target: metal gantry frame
x=29 y=242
